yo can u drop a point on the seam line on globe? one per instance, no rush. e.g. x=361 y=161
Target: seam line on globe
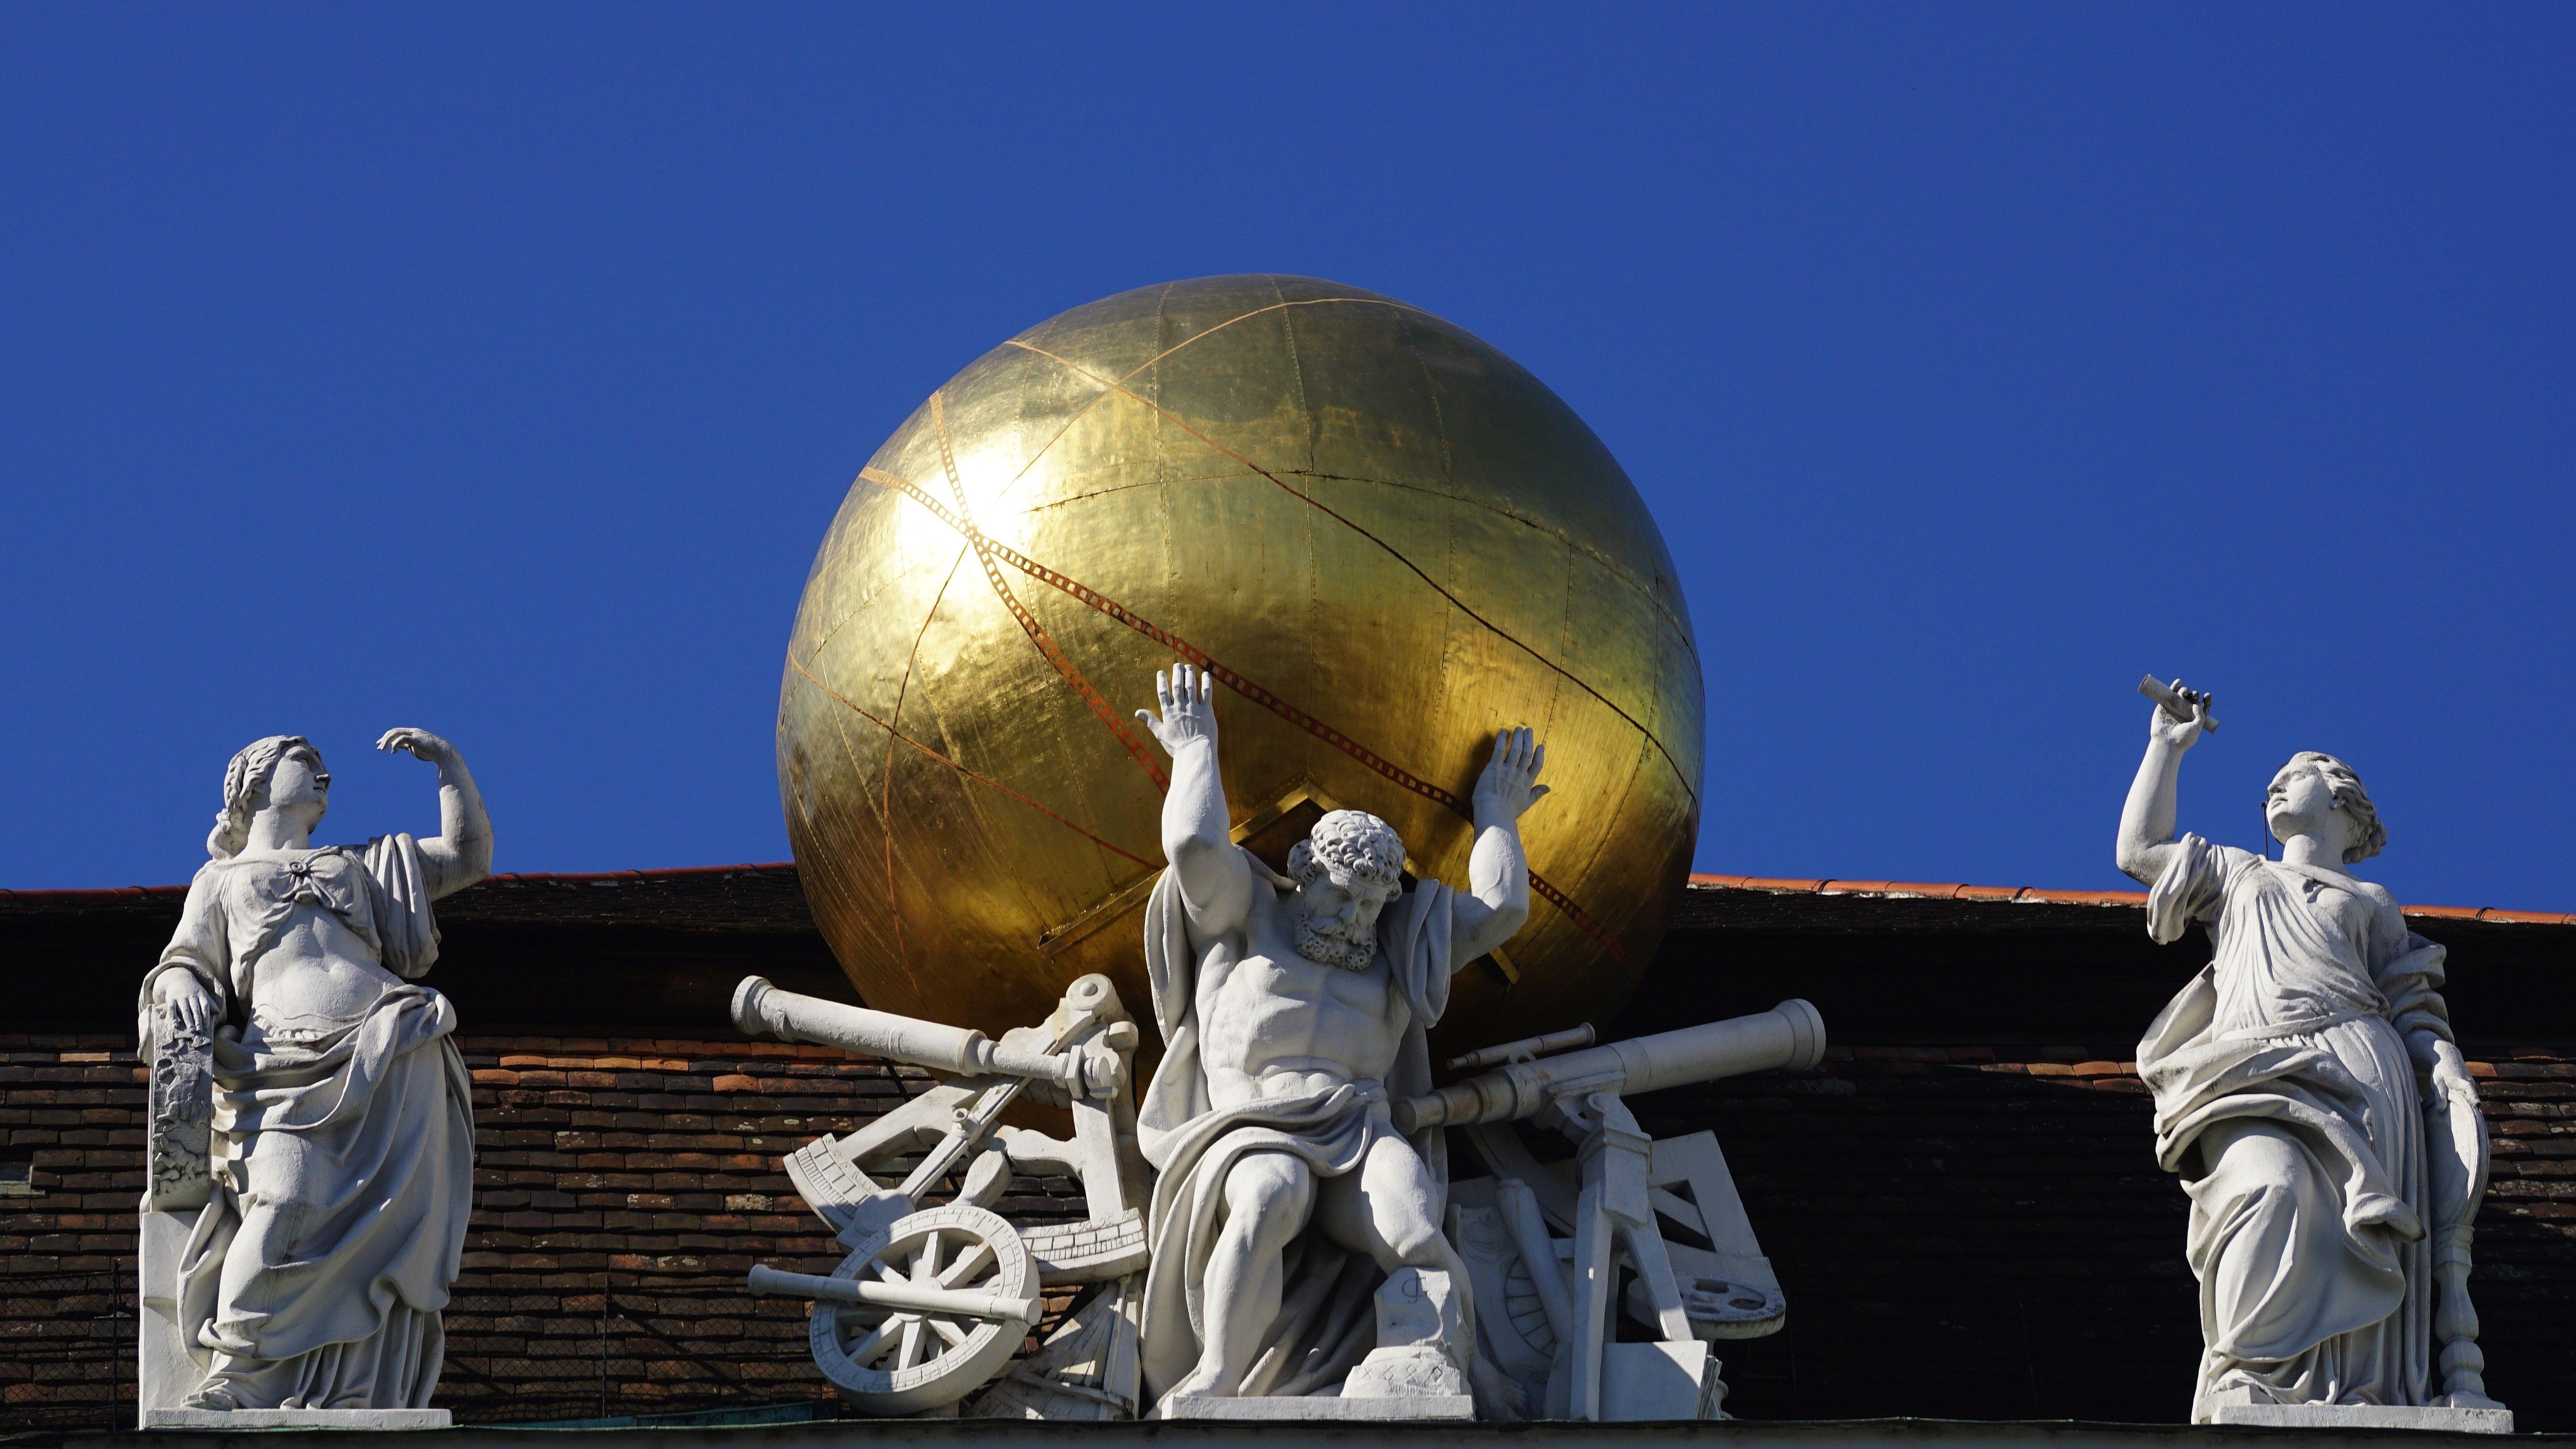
x=862 y=712
x=1582 y=919
x=1391 y=550
x=850 y=752
x=1029 y=625
x=1185 y=343
x=1645 y=588
x=885 y=776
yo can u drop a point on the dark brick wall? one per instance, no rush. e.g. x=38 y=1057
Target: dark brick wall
x=71 y=1109
x=1963 y=1231
x=1983 y=1233
x=622 y=1188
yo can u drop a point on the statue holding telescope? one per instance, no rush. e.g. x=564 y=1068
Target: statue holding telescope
x=2311 y=1094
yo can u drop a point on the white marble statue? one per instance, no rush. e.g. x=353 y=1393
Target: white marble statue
x=1296 y=1232
x=342 y=1128
x=2309 y=1091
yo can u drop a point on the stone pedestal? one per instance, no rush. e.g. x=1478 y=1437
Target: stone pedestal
x=296 y=1419
x=1433 y=1406
x=164 y=1374
x=177 y=1184
x=2364 y=1416
x=1659 y=1381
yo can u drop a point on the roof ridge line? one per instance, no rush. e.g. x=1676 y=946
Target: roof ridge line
x=71 y=895
x=2043 y=895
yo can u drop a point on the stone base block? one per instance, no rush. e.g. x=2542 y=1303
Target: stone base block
x=1648 y=1381
x=1429 y=1406
x=2363 y=1416
x=296 y=1419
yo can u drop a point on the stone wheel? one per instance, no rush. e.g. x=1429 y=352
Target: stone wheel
x=891 y=1361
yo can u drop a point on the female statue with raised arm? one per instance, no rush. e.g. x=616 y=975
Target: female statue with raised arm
x=2309 y=1092
x=343 y=1142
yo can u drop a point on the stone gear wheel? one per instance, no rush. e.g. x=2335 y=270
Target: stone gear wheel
x=893 y=1362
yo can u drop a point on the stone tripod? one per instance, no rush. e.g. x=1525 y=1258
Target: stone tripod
x=1581 y=1090
x=1293 y=1015
x=2310 y=1091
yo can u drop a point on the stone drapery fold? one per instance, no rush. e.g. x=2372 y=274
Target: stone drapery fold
x=2287 y=1099
x=315 y=1274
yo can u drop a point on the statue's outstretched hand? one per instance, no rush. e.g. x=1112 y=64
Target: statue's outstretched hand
x=188 y=998
x=1509 y=784
x=420 y=742
x=1189 y=711
x=2180 y=731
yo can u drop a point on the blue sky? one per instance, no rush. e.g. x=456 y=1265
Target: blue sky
x=496 y=369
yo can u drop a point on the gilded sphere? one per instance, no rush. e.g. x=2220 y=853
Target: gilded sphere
x=1385 y=538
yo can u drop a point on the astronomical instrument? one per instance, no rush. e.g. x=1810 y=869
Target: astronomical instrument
x=1544 y=1303
x=921 y=1314
x=1384 y=538
x=932 y=1302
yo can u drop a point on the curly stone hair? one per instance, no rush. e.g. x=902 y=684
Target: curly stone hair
x=246 y=789
x=2372 y=837
x=1353 y=842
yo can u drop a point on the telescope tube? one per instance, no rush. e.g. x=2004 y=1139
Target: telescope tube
x=761 y=1009
x=1791 y=1034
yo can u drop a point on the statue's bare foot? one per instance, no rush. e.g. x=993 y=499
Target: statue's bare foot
x=1197 y=1386
x=1201 y=1383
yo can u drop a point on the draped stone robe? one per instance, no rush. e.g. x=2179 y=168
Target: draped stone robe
x=2286 y=1098
x=343 y=1157
x=1326 y=1322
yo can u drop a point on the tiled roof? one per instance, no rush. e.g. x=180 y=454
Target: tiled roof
x=734 y=895
x=700 y=897
x=2037 y=895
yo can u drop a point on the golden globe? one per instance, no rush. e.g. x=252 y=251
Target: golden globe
x=1385 y=538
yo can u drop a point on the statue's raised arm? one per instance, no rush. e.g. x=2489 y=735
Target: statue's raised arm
x=462 y=853
x=1215 y=880
x=1496 y=902
x=2146 y=840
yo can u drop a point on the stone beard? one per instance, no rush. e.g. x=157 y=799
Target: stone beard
x=1358 y=847
x=1334 y=947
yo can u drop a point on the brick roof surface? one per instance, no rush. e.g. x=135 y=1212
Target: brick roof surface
x=1961 y=1199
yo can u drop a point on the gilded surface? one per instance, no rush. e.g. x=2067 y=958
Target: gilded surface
x=1387 y=538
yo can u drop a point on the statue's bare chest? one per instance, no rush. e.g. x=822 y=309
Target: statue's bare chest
x=1273 y=1007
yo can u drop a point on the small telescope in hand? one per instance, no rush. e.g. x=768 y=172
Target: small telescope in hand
x=2174 y=704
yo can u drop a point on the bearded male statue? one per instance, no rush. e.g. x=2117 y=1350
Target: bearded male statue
x=1296 y=1233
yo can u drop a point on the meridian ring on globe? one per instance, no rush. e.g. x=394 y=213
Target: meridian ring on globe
x=1385 y=540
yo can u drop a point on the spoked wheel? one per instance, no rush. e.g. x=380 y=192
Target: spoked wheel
x=890 y=1360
